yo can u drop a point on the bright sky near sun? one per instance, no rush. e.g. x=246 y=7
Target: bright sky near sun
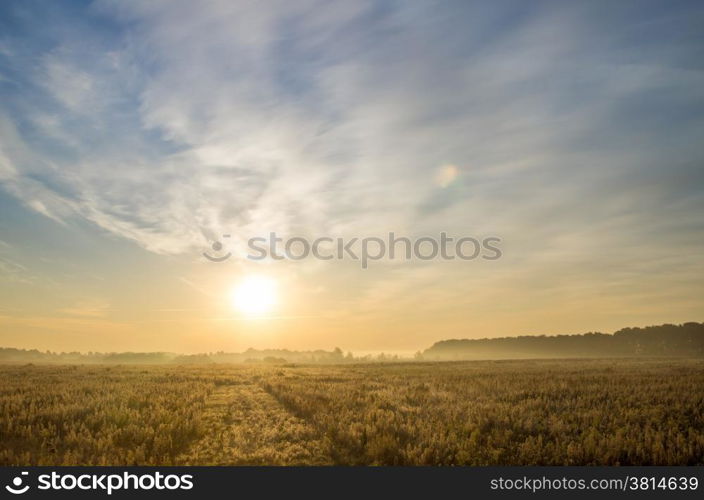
x=134 y=134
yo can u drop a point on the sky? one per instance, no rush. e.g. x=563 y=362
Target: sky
x=133 y=135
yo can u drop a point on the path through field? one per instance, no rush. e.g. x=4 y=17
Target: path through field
x=247 y=426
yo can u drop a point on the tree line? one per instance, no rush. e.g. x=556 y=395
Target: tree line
x=684 y=340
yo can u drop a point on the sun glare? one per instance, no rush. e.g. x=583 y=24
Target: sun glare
x=255 y=295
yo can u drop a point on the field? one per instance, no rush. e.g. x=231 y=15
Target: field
x=466 y=413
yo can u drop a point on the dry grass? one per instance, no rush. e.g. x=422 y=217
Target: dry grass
x=472 y=413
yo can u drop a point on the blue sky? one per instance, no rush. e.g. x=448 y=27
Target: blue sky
x=142 y=131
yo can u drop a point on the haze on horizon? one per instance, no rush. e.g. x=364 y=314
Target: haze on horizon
x=133 y=135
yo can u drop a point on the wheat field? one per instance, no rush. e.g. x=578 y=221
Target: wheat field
x=572 y=412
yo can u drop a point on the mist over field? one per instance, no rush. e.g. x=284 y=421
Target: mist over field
x=634 y=398
x=686 y=340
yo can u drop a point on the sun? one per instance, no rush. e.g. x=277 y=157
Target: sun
x=254 y=295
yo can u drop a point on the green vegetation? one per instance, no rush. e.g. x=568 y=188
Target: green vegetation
x=474 y=413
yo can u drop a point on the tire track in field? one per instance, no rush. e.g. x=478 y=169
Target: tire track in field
x=245 y=425
x=339 y=451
